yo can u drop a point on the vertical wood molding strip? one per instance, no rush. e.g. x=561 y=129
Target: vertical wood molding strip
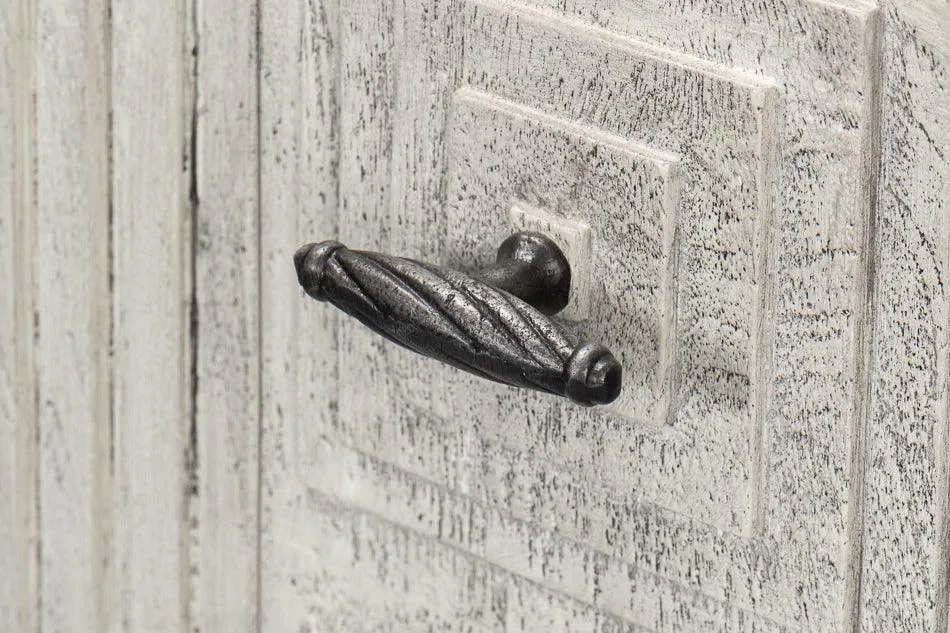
x=227 y=344
x=906 y=550
x=18 y=455
x=74 y=416
x=151 y=252
x=300 y=127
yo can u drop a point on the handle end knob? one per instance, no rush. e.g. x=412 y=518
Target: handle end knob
x=310 y=261
x=593 y=375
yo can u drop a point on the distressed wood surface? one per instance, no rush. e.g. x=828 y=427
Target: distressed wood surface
x=189 y=444
x=73 y=320
x=905 y=584
x=151 y=248
x=300 y=137
x=742 y=511
x=144 y=520
x=226 y=304
x=18 y=515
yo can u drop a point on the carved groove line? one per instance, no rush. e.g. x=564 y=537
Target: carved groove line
x=513 y=579
x=396 y=484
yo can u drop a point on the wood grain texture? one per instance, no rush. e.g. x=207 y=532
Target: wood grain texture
x=18 y=503
x=772 y=109
x=73 y=313
x=190 y=444
x=300 y=140
x=151 y=215
x=907 y=521
x=634 y=221
x=226 y=311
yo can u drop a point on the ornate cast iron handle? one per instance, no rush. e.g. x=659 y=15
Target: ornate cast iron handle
x=492 y=324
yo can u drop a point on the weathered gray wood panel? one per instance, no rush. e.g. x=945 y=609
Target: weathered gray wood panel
x=18 y=507
x=163 y=380
x=226 y=311
x=73 y=313
x=906 y=557
x=300 y=137
x=143 y=518
x=150 y=286
x=227 y=304
x=744 y=512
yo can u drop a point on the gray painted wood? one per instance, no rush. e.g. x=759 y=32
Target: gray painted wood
x=741 y=510
x=226 y=307
x=906 y=538
x=150 y=295
x=301 y=133
x=100 y=193
x=192 y=445
x=18 y=477
x=73 y=314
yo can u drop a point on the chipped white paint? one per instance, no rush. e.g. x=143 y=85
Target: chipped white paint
x=763 y=187
x=300 y=136
x=97 y=348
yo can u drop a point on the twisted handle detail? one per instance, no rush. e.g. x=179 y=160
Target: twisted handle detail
x=465 y=322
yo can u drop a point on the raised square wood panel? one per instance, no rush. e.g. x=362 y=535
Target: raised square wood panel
x=503 y=154
x=469 y=506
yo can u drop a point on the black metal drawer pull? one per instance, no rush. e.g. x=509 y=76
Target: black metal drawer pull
x=491 y=324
